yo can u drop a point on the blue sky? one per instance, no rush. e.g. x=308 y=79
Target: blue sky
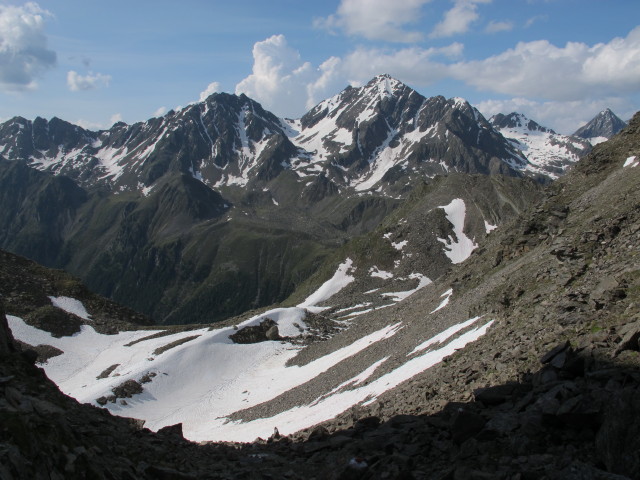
x=92 y=63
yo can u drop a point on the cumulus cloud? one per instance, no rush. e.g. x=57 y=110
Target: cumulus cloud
x=495 y=27
x=23 y=46
x=77 y=82
x=458 y=19
x=285 y=84
x=279 y=76
x=212 y=88
x=376 y=19
x=540 y=69
x=549 y=75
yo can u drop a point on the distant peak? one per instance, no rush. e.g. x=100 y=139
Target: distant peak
x=517 y=120
x=605 y=124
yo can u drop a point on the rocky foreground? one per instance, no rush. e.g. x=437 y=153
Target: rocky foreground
x=551 y=391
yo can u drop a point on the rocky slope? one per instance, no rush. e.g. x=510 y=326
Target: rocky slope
x=549 y=392
x=548 y=153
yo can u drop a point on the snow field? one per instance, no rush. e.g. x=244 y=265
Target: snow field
x=201 y=383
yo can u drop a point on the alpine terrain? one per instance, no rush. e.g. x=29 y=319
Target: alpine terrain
x=221 y=207
x=460 y=326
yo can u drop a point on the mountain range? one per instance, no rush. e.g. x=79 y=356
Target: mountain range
x=222 y=207
x=519 y=360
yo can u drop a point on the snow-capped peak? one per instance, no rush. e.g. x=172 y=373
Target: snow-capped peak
x=548 y=153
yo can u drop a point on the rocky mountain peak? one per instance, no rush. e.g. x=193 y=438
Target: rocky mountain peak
x=604 y=125
x=517 y=120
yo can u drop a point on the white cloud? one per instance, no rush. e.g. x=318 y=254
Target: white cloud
x=279 y=76
x=285 y=84
x=115 y=118
x=212 y=88
x=77 y=82
x=573 y=72
x=534 y=19
x=495 y=27
x=160 y=112
x=551 y=77
x=376 y=19
x=23 y=46
x=458 y=19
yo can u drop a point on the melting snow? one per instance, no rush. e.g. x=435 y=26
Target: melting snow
x=631 y=162
x=397 y=296
x=445 y=335
x=399 y=245
x=329 y=288
x=375 y=272
x=457 y=251
x=444 y=302
x=488 y=227
x=596 y=140
x=198 y=383
x=71 y=305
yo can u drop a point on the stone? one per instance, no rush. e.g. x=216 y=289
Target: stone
x=630 y=339
x=172 y=430
x=547 y=357
x=257 y=333
x=127 y=389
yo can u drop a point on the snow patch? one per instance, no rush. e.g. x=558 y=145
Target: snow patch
x=445 y=335
x=398 y=296
x=457 y=251
x=488 y=227
x=399 y=245
x=630 y=162
x=329 y=288
x=375 y=272
x=444 y=302
x=71 y=305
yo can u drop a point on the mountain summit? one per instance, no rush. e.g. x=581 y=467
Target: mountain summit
x=601 y=127
x=385 y=131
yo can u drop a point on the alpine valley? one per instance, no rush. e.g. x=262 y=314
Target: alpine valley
x=391 y=286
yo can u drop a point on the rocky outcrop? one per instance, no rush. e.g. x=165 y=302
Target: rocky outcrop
x=265 y=331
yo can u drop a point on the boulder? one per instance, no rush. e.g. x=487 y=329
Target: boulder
x=265 y=331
